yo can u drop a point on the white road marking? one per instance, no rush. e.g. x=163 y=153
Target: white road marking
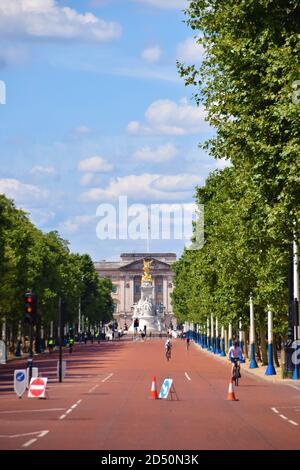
x=43 y=433
x=284 y=417
x=27 y=444
x=70 y=409
x=93 y=388
x=293 y=422
x=189 y=378
x=32 y=411
x=108 y=377
x=294 y=386
x=23 y=435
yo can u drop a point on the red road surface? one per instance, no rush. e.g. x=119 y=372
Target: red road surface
x=104 y=403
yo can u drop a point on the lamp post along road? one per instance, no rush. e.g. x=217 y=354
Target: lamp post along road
x=208 y=335
x=212 y=346
x=270 y=369
x=253 y=363
x=295 y=305
x=217 y=348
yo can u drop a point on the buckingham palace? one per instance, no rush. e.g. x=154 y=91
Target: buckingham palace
x=126 y=275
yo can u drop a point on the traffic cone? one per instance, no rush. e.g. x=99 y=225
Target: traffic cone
x=154 y=393
x=230 y=394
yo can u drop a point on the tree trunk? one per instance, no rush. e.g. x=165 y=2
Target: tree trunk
x=245 y=337
x=257 y=346
x=275 y=351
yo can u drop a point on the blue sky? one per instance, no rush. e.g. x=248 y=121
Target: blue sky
x=95 y=110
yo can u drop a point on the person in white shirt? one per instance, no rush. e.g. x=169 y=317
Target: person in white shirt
x=235 y=353
x=168 y=347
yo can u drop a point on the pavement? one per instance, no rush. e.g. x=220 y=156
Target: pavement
x=259 y=372
x=104 y=403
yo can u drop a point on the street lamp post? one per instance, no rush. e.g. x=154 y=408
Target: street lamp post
x=253 y=363
x=270 y=369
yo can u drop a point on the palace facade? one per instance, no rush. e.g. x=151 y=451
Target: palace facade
x=126 y=276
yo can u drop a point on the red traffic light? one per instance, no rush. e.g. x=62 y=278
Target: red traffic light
x=30 y=300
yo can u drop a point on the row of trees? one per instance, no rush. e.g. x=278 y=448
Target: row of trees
x=247 y=84
x=42 y=262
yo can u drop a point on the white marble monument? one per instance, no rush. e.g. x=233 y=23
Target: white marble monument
x=144 y=309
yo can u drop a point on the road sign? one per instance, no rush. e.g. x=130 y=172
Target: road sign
x=165 y=388
x=37 y=388
x=20 y=376
x=2 y=352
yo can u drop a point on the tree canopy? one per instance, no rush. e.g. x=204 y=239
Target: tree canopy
x=246 y=83
x=42 y=262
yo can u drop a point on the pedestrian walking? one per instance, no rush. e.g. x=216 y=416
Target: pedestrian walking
x=187 y=343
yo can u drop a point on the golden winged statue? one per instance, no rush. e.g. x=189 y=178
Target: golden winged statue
x=147 y=276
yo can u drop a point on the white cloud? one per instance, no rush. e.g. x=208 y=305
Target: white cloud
x=82 y=130
x=161 y=154
x=152 y=54
x=46 y=19
x=190 y=51
x=76 y=223
x=94 y=164
x=40 y=216
x=13 y=54
x=89 y=178
x=42 y=170
x=184 y=182
x=151 y=187
x=169 y=118
x=165 y=4
x=21 y=192
x=222 y=163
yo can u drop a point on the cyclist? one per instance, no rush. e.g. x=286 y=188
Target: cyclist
x=71 y=344
x=51 y=344
x=234 y=355
x=168 y=346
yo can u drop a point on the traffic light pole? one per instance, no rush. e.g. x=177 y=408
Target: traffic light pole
x=60 y=338
x=30 y=357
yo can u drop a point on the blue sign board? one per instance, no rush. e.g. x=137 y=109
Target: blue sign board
x=165 y=388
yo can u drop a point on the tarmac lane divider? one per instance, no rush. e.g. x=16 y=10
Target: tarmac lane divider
x=38 y=434
x=32 y=441
x=69 y=410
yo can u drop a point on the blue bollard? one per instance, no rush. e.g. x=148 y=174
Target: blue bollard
x=270 y=369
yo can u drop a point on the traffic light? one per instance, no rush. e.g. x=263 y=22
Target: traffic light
x=30 y=300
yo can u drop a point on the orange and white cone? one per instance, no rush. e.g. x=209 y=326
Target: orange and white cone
x=230 y=394
x=154 y=393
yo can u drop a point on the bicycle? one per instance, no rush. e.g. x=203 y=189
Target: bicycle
x=235 y=371
x=168 y=354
